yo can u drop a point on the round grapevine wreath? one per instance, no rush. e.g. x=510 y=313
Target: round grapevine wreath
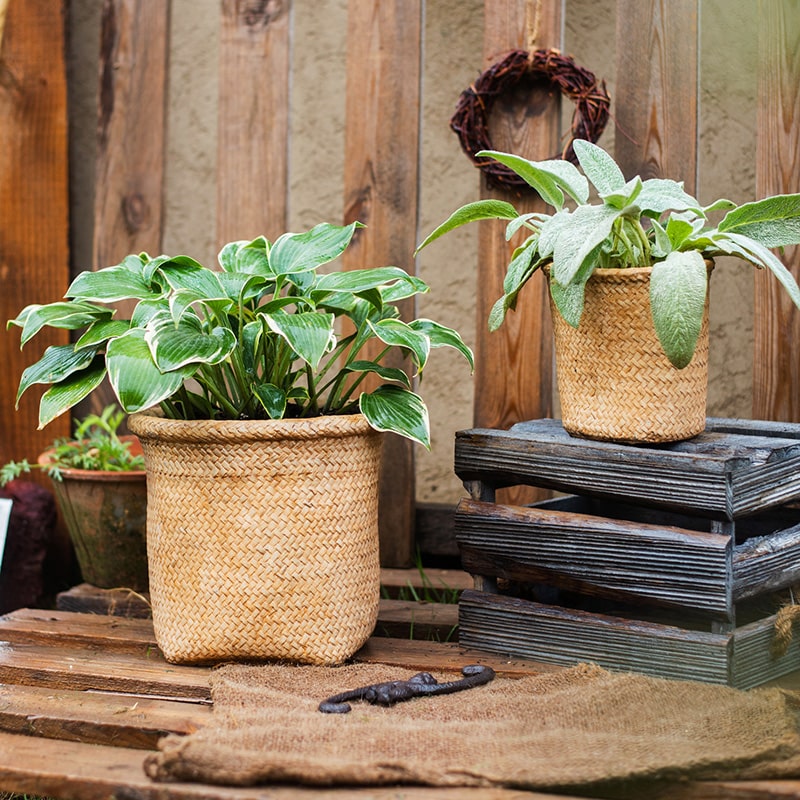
x=471 y=118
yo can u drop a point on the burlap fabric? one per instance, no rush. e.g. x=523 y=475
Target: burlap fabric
x=564 y=729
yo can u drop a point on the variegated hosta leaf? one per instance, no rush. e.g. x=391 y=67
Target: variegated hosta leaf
x=396 y=410
x=110 y=284
x=678 y=287
x=199 y=282
x=441 y=336
x=57 y=363
x=62 y=396
x=66 y=315
x=397 y=333
x=298 y=252
x=272 y=399
x=102 y=331
x=176 y=344
x=134 y=376
x=386 y=373
x=310 y=334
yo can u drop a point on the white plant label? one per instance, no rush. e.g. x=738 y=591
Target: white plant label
x=5 y=516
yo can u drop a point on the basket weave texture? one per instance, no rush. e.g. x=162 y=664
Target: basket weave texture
x=262 y=537
x=614 y=381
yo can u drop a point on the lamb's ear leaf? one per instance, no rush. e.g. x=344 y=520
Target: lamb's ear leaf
x=772 y=222
x=678 y=287
x=472 y=212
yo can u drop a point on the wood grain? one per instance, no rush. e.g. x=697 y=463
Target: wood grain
x=253 y=127
x=656 y=109
x=776 y=367
x=34 y=234
x=380 y=190
x=514 y=373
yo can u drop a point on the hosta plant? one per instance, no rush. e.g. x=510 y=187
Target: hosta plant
x=630 y=223
x=265 y=336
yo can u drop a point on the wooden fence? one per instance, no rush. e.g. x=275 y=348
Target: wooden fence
x=657 y=124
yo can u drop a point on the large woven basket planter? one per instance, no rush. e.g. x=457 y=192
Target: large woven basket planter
x=262 y=537
x=614 y=381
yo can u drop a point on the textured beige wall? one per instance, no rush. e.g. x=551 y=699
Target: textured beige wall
x=452 y=59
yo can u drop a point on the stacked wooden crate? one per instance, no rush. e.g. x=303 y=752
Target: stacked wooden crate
x=672 y=560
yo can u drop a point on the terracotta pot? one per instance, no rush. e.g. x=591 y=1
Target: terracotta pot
x=262 y=536
x=105 y=514
x=614 y=381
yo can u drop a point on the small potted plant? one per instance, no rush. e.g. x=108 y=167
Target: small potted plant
x=246 y=389
x=628 y=277
x=98 y=479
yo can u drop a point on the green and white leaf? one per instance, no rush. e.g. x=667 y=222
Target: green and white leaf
x=272 y=398
x=385 y=373
x=299 y=252
x=397 y=333
x=64 y=315
x=396 y=410
x=441 y=336
x=134 y=376
x=62 y=396
x=111 y=284
x=57 y=363
x=310 y=334
x=176 y=344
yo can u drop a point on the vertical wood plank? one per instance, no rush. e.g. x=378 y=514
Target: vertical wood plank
x=253 y=127
x=776 y=366
x=656 y=109
x=130 y=129
x=381 y=153
x=514 y=365
x=131 y=137
x=34 y=204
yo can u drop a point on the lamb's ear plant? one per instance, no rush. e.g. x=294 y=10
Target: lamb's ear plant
x=630 y=223
x=266 y=336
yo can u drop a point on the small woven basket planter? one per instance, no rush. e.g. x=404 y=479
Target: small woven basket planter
x=262 y=537
x=614 y=381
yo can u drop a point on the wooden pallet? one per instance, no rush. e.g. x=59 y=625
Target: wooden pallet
x=665 y=562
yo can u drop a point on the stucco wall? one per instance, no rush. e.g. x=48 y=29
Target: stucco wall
x=452 y=59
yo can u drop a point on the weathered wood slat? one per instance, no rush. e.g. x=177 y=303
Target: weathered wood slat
x=96 y=718
x=656 y=126
x=97 y=772
x=560 y=636
x=428 y=621
x=697 y=476
x=766 y=563
x=776 y=370
x=595 y=555
x=34 y=204
x=381 y=191
x=513 y=366
x=253 y=126
x=95 y=668
x=755 y=659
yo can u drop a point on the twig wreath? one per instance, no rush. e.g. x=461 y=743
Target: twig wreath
x=471 y=118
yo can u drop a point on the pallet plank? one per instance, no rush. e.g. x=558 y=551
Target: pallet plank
x=611 y=558
x=96 y=718
x=556 y=635
x=62 y=769
x=766 y=563
x=94 y=668
x=716 y=475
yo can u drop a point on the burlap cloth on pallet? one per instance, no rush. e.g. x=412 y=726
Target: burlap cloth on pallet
x=563 y=729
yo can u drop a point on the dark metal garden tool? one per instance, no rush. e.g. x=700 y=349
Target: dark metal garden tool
x=419 y=685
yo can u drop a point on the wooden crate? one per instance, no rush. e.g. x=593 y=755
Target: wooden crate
x=667 y=561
